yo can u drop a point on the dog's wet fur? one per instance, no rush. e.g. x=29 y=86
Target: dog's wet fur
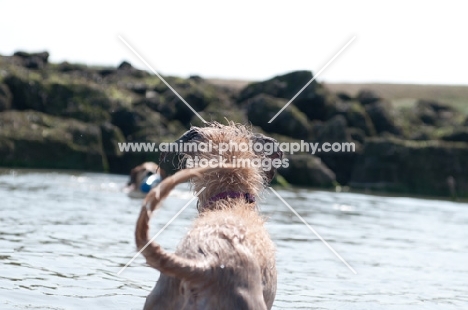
x=227 y=260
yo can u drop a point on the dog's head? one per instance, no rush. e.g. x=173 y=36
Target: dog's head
x=139 y=173
x=216 y=137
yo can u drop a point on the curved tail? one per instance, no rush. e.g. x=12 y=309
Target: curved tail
x=167 y=263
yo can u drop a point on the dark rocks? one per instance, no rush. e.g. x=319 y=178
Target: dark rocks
x=78 y=101
x=143 y=124
x=125 y=65
x=434 y=113
x=33 y=60
x=282 y=86
x=308 y=170
x=382 y=119
x=111 y=137
x=412 y=167
x=5 y=98
x=90 y=110
x=291 y=122
x=357 y=117
x=68 y=67
x=315 y=101
x=458 y=135
x=367 y=96
x=36 y=140
x=341 y=162
x=198 y=96
x=335 y=130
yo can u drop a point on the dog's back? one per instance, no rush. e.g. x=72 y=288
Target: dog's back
x=226 y=261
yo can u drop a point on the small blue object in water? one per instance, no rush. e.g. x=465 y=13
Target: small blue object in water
x=150 y=182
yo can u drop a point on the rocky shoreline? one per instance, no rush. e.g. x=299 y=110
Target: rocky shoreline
x=71 y=116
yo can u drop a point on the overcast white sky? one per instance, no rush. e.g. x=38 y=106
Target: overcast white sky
x=396 y=41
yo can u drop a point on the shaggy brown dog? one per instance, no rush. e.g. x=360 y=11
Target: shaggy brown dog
x=139 y=173
x=227 y=260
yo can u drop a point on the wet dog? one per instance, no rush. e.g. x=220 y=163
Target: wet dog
x=139 y=175
x=227 y=259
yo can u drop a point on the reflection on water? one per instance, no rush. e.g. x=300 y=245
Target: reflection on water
x=64 y=237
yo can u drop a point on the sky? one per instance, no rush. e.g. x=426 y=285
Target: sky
x=422 y=42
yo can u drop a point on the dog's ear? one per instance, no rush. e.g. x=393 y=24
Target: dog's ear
x=170 y=162
x=269 y=150
x=133 y=175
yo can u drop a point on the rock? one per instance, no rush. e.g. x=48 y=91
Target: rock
x=5 y=98
x=111 y=137
x=26 y=94
x=412 y=167
x=138 y=88
x=126 y=69
x=367 y=96
x=281 y=86
x=124 y=65
x=196 y=78
x=154 y=102
x=198 y=96
x=317 y=103
x=315 y=100
x=33 y=60
x=335 y=132
x=143 y=124
x=458 y=135
x=68 y=67
x=434 y=113
x=357 y=134
x=78 y=101
x=383 y=121
x=307 y=170
x=357 y=117
x=36 y=140
x=344 y=96
x=291 y=122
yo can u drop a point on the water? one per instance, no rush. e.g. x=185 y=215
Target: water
x=64 y=237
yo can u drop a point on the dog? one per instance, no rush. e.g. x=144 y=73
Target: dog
x=227 y=259
x=136 y=186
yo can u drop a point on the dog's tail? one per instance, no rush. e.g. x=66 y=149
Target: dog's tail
x=167 y=263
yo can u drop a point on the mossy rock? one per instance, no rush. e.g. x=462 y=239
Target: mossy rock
x=36 y=140
x=5 y=97
x=412 y=167
x=434 y=113
x=357 y=117
x=198 y=95
x=307 y=170
x=315 y=101
x=33 y=60
x=457 y=135
x=382 y=116
x=79 y=101
x=143 y=124
x=282 y=86
x=341 y=163
x=291 y=122
x=368 y=96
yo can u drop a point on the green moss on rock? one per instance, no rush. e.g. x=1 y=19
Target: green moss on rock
x=36 y=140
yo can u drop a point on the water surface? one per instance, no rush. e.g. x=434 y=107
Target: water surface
x=64 y=236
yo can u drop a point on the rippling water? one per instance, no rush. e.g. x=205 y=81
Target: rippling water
x=64 y=237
